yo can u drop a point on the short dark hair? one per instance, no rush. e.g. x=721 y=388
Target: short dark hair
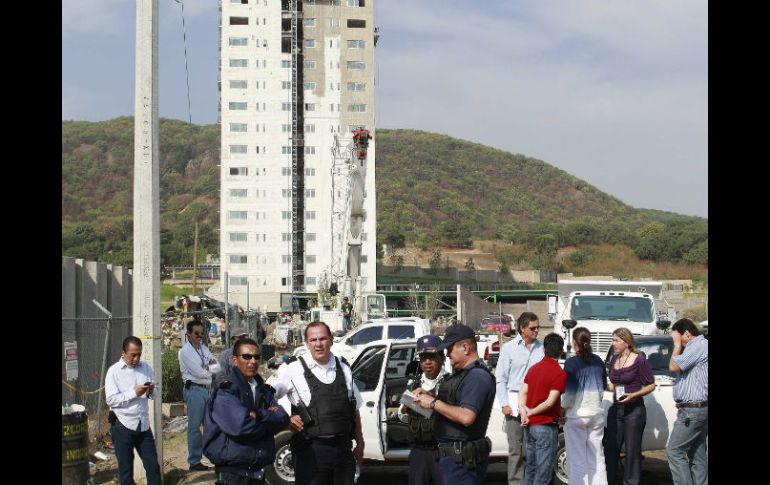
x=131 y=340
x=194 y=323
x=524 y=319
x=244 y=341
x=318 y=323
x=686 y=325
x=553 y=345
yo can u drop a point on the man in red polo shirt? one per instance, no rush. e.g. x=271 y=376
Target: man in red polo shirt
x=540 y=409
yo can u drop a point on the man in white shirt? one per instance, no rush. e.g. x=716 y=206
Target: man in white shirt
x=194 y=361
x=324 y=411
x=128 y=385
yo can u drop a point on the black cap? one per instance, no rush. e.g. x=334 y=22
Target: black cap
x=455 y=333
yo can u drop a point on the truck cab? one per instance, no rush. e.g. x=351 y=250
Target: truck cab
x=603 y=306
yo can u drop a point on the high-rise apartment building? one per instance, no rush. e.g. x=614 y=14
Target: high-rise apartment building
x=293 y=74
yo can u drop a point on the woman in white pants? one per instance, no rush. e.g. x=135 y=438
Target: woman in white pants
x=584 y=428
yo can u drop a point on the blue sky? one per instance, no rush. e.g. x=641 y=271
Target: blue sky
x=613 y=92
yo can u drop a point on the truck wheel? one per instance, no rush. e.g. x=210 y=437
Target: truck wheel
x=281 y=472
x=560 y=468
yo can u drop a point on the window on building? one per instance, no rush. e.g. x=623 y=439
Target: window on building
x=309 y=259
x=309 y=2
x=309 y=64
x=285 y=128
x=356 y=108
x=310 y=128
x=309 y=86
x=286 y=150
x=356 y=44
x=286 y=237
x=239 y=1
x=356 y=65
x=356 y=3
x=309 y=236
x=356 y=24
x=334 y=22
x=239 y=280
x=286 y=215
x=239 y=21
x=238 y=127
x=239 y=193
x=239 y=63
x=308 y=22
x=236 y=215
x=238 y=237
x=309 y=150
x=285 y=63
x=310 y=215
x=286 y=258
x=239 y=171
x=356 y=86
x=309 y=106
x=334 y=2
x=238 y=105
x=285 y=193
x=286 y=107
x=238 y=259
x=309 y=43
x=285 y=84
x=238 y=41
x=238 y=149
x=238 y=84
x=310 y=280
x=286 y=171
x=309 y=193
x=309 y=172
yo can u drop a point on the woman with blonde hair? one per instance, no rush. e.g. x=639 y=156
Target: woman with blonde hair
x=582 y=400
x=630 y=379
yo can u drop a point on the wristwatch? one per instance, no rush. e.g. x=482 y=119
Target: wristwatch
x=433 y=403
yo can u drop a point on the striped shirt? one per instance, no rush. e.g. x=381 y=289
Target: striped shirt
x=514 y=362
x=692 y=384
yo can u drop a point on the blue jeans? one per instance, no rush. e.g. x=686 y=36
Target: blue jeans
x=125 y=440
x=542 y=442
x=457 y=474
x=686 y=447
x=197 y=398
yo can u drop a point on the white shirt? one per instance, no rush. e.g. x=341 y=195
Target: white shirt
x=294 y=372
x=194 y=364
x=120 y=391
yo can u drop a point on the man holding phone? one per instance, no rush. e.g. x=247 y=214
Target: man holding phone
x=128 y=385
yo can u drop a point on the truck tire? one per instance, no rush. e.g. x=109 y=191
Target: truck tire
x=560 y=467
x=281 y=472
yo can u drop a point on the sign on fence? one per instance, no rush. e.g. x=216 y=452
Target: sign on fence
x=71 y=360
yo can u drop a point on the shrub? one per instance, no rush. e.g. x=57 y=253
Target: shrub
x=172 y=377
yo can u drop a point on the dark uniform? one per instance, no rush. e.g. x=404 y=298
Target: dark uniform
x=423 y=459
x=464 y=450
x=323 y=449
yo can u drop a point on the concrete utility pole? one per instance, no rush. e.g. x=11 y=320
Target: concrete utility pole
x=146 y=304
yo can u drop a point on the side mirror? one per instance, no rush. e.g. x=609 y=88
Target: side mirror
x=569 y=323
x=663 y=323
x=339 y=333
x=349 y=341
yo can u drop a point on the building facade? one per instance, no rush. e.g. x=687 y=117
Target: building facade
x=293 y=74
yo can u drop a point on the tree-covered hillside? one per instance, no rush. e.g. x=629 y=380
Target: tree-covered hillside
x=431 y=190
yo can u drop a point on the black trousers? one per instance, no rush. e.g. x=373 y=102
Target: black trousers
x=625 y=424
x=324 y=463
x=229 y=478
x=423 y=466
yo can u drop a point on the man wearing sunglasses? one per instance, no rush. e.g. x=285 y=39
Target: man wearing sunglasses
x=516 y=358
x=241 y=420
x=194 y=361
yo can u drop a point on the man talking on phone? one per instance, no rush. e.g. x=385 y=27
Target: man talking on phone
x=128 y=386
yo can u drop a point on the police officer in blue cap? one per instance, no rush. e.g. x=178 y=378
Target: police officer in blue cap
x=423 y=459
x=461 y=408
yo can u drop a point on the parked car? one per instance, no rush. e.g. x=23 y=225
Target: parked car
x=498 y=323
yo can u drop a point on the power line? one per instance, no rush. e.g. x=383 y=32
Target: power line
x=186 y=68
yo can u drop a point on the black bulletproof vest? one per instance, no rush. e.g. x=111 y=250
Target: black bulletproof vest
x=420 y=427
x=330 y=406
x=445 y=429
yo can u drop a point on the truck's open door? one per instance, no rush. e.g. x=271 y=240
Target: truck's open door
x=369 y=377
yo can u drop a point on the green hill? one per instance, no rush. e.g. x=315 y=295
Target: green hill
x=431 y=190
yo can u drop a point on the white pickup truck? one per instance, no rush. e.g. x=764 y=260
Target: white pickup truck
x=380 y=372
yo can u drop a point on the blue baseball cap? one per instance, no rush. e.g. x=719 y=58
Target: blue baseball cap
x=455 y=333
x=428 y=344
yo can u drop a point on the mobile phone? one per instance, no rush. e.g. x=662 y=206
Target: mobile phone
x=148 y=383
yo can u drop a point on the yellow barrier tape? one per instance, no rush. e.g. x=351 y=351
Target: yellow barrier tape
x=78 y=390
x=149 y=337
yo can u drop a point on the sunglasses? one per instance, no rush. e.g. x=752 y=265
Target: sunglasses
x=534 y=329
x=249 y=356
x=198 y=334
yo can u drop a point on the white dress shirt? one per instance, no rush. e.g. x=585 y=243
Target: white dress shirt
x=294 y=372
x=120 y=391
x=194 y=364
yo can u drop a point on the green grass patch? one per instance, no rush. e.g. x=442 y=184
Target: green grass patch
x=169 y=292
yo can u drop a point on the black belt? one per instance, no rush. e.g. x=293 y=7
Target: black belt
x=691 y=404
x=189 y=383
x=258 y=473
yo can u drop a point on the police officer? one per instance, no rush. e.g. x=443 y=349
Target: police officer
x=324 y=412
x=423 y=459
x=462 y=408
x=241 y=421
